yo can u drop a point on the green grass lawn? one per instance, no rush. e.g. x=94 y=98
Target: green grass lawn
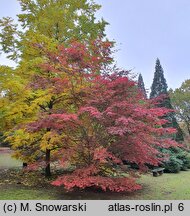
x=167 y=186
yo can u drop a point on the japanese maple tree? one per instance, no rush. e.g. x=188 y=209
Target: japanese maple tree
x=114 y=124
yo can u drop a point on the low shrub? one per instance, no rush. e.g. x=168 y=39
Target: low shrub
x=173 y=165
x=179 y=159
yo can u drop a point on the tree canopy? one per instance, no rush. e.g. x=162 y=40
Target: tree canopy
x=51 y=23
x=180 y=98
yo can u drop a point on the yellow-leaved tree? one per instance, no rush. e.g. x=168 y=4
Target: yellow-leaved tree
x=41 y=84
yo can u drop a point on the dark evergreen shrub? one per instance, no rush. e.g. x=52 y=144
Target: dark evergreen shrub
x=173 y=165
x=185 y=158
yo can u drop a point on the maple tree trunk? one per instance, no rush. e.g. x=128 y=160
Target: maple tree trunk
x=24 y=164
x=47 y=169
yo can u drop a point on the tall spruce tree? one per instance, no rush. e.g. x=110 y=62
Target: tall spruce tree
x=141 y=86
x=159 y=85
x=159 y=88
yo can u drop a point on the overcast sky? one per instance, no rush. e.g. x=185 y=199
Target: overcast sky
x=143 y=30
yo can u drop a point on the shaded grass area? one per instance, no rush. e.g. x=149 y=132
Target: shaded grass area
x=6 y=161
x=17 y=193
x=19 y=185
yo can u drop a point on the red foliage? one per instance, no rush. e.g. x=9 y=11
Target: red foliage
x=104 y=121
x=84 y=178
x=123 y=126
x=135 y=122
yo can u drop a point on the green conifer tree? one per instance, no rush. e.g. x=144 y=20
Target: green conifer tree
x=159 y=85
x=159 y=88
x=141 y=86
